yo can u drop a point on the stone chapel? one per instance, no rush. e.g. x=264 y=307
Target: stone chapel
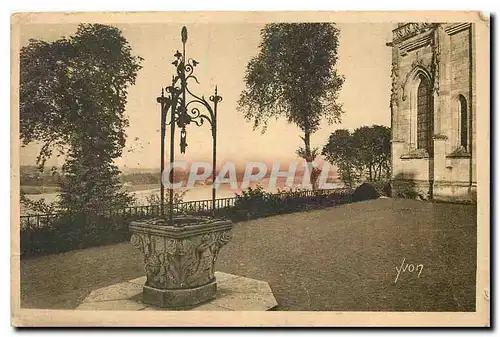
x=433 y=110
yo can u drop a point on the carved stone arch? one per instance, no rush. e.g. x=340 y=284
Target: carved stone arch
x=410 y=87
x=412 y=77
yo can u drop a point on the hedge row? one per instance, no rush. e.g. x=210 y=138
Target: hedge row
x=257 y=203
x=76 y=231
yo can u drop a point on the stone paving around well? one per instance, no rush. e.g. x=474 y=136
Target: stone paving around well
x=234 y=293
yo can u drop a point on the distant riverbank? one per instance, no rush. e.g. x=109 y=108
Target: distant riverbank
x=142 y=192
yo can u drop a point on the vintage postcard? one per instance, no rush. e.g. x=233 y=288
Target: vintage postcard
x=250 y=169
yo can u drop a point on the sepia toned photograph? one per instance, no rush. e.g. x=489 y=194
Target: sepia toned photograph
x=183 y=169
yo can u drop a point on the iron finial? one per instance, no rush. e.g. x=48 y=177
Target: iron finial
x=161 y=98
x=184 y=34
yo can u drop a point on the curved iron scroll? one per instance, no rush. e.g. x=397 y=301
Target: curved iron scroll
x=185 y=108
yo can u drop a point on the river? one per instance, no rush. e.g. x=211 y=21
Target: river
x=198 y=192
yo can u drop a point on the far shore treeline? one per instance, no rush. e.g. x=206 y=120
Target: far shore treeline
x=31 y=176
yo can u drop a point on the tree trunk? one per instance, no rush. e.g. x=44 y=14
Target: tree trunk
x=313 y=173
x=307 y=145
x=351 y=176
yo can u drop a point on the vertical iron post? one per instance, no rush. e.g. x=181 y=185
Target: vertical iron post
x=172 y=156
x=214 y=151
x=163 y=112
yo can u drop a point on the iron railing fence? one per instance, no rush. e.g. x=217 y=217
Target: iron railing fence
x=186 y=207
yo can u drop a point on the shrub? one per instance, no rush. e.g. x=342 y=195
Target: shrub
x=255 y=203
x=365 y=191
x=405 y=189
x=383 y=187
x=404 y=186
x=75 y=231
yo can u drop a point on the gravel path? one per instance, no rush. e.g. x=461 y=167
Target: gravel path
x=342 y=258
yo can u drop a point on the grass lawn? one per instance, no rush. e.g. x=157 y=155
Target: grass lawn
x=342 y=258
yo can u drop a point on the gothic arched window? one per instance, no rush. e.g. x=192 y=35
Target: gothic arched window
x=424 y=116
x=464 y=122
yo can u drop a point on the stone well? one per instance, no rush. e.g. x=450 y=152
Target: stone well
x=180 y=258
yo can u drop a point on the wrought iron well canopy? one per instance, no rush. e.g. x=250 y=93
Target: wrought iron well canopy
x=185 y=108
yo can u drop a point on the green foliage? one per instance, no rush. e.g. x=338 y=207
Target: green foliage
x=374 y=148
x=71 y=231
x=72 y=98
x=66 y=231
x=406 y=190
x=364 y=154
x=39 y=206
x=251 y=201
x=365 y=191
x=256 y=202
x=404 y=186
x=56 y=233
x=294 y=77
x=383 y=187
x=90 y=185
x=342 y=151
x=154 y=199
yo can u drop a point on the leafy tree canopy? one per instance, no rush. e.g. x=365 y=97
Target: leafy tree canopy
x=294 y=76
x=364 y=154
x=77 y=85
x=374 y=150
x=73 y=93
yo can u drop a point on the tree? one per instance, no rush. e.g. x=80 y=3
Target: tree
x=341 y=151
x=374 y=146
x=294 y=77
x=363 y=154
x=73 y=93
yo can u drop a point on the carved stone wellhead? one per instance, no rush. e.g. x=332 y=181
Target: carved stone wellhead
x=180 y=260
x=180 y=251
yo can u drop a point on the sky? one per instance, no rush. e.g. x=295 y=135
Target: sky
x=223 y=50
